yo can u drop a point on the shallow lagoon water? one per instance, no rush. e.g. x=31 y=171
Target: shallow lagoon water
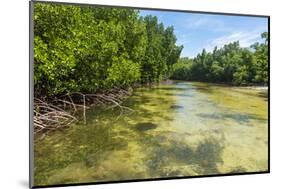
x=178 y=129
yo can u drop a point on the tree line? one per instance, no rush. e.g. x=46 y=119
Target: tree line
x=88 y=49
x=230 y=64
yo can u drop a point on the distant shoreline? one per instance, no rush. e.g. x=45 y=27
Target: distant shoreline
x=256 y=87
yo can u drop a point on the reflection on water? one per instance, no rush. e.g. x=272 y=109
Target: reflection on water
x=180 y=129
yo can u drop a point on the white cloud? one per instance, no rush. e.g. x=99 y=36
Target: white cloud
x=206 y=23
x=245 y=39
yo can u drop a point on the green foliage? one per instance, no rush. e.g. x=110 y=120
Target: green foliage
x=161 y=52
x=123 y=73
x=182 y=69
x=87 y=49
x=261 y=63
x=230 y=64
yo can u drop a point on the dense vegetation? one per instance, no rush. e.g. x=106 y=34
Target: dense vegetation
x=229 y=64
x=89 y=49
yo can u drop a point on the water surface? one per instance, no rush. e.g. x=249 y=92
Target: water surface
x=178 y=129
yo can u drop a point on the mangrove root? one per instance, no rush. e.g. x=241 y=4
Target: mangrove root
x=50 y=117
x=60 y=112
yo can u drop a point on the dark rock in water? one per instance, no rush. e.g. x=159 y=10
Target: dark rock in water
x=176 y=107
x=145 y=126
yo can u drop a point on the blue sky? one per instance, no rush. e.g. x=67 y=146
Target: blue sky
x=197 y=31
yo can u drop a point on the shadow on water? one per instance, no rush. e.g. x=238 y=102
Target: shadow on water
x=180 y=95
x=203 y=159
x=208 y=155
x=176 y=107
x=240 y=118
x=145 y=126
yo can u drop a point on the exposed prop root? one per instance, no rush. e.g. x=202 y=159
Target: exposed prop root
x=60 y=113
x=50 y=117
